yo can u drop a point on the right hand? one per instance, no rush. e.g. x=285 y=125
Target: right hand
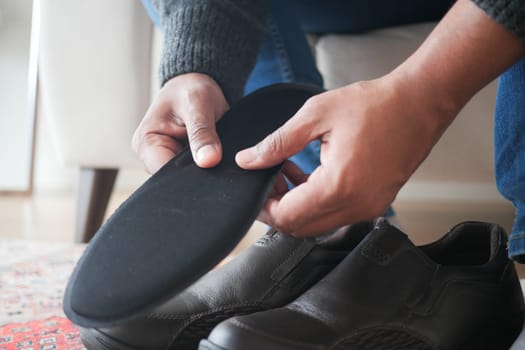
x=185 y=110
x=374 y=134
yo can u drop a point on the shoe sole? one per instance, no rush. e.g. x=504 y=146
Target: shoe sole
x=93 y=339
x=190 y=336
x=187 y=339
x=496 y=337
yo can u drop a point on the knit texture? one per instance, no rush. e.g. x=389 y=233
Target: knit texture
x=509 y=13
x=220 y=38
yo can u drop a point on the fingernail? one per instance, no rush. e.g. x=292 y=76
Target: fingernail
x=246 y=156
x=205 y=152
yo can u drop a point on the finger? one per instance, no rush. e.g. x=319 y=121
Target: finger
x=280 y=187
x=311 y=208
x=290 y=172
x=298 y=206
x=156 y=139
x=156 y=158
x=264 y=215
x=286 y=141
x=317 y=223
x=319 y=216
x=203 y=139
x=293 y=173
x=157 y=151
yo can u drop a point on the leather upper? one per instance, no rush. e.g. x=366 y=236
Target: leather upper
x=430 y=295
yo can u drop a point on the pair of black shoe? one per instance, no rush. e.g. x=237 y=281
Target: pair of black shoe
x=363 y=288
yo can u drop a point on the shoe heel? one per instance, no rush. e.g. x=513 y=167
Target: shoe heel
x=499 y=336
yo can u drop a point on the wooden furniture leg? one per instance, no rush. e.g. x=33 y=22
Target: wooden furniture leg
x=94 y=190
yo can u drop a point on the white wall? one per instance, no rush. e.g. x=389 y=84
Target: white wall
x=15 y=124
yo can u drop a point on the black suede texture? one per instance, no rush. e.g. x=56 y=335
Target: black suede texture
x=182 y=221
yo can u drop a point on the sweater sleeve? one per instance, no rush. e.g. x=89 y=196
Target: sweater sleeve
x=220 y=38
x=509 y=13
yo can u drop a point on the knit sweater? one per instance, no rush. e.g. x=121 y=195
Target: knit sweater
x=221 y=38
x=509 y=13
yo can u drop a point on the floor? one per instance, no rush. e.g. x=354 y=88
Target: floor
x=50 y=216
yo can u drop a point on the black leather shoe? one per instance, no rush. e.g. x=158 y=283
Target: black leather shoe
x=271 y=273
x=458 y=293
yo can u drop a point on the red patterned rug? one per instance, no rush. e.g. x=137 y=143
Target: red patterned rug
x=52 y=333
x=33 y=276
x=32 y=281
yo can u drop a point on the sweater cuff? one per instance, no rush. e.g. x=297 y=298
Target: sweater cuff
x=217 y=38
x=508 y=13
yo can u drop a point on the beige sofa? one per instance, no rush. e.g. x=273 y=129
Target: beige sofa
x=97 y=73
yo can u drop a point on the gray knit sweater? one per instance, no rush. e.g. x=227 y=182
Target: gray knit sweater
x=218 y=37
x=509 y=13
x=222 y=37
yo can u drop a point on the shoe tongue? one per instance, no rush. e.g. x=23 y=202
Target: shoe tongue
x=384 y=241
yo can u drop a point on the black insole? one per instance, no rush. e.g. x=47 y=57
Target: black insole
x=182 y=221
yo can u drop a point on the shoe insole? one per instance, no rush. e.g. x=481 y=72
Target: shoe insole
x=182 y=221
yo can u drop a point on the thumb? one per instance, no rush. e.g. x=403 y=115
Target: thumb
x=286 y=141
x=204 y=142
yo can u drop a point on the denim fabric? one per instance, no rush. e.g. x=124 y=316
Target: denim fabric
x=285 y=56
x=152 y=12
x=509 y=139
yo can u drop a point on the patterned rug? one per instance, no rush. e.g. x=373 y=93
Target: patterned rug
x=32 y=281
x=52 y=333
x=33 y=276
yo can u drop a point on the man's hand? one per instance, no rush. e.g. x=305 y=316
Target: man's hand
x=186 y=109
x=375 y=134
x=373 y=138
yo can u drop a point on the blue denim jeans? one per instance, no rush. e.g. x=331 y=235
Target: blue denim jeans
x=509 y=140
